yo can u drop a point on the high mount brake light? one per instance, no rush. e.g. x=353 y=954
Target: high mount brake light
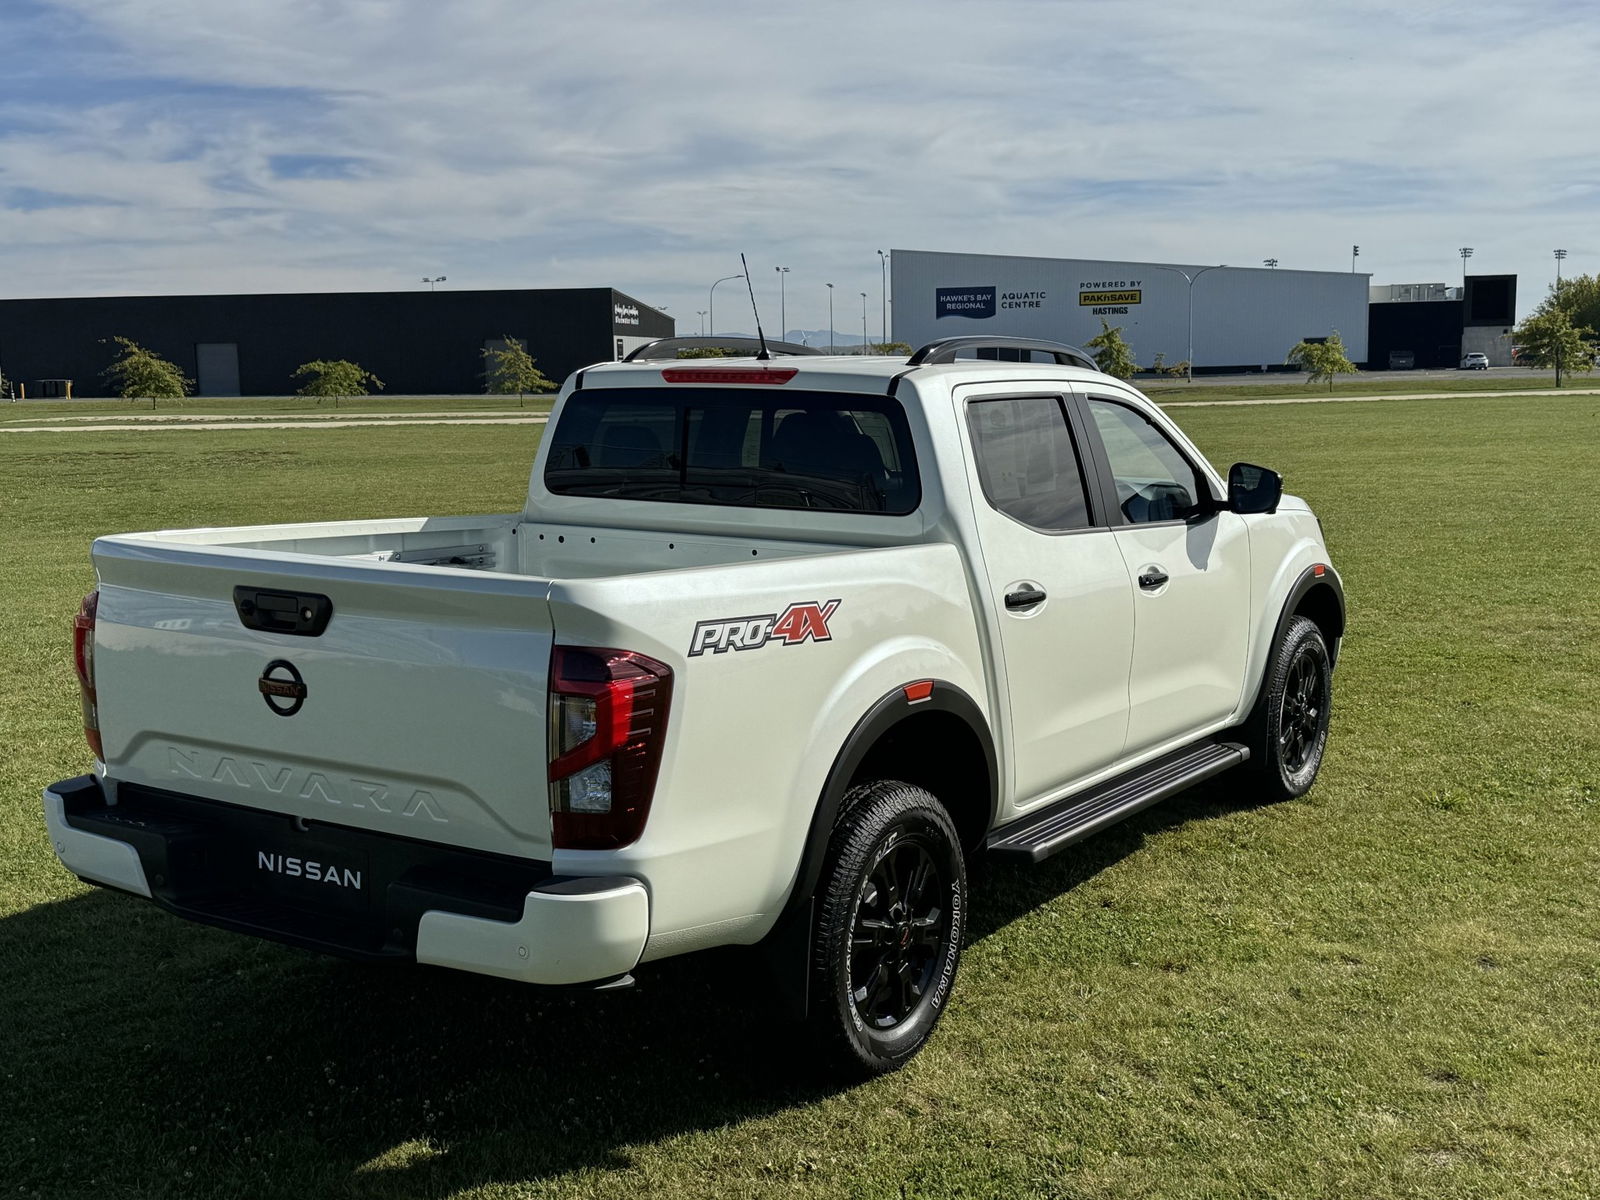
x=608 y=723
x=767 y=375
x=83 y=664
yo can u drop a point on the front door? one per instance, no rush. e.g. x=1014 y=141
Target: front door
x=1057 y=589
x=1189 y=565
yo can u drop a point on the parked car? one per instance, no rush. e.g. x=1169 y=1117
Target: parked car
x=1402 y=360
x=776 y=647
x=1474 y=361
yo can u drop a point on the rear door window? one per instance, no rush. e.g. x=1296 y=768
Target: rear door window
x=738 y=447
x=1027 y=462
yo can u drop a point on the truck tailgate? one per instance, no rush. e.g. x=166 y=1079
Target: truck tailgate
x=421 y=704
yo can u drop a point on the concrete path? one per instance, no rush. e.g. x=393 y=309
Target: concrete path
x=240 y=423
x=1337 y=399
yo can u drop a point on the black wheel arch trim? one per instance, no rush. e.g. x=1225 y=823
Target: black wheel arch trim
x=889 y=711
x=1307 y=580
x=1318 y=575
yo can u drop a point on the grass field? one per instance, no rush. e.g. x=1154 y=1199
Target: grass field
x=1388 y=989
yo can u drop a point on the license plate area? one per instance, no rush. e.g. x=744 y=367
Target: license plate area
x=306 y=872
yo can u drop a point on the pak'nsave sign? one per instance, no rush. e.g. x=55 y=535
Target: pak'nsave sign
x=964 y=302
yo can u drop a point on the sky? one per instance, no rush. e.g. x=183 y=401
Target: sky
x=215 y=146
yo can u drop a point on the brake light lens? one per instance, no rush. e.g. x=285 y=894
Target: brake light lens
x=769 y=375
x=608 y=723
x=83 y=664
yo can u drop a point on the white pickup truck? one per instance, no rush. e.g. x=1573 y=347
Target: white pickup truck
x=775 y=646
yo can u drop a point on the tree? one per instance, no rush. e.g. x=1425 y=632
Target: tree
x=1579 y=298
x=337 y=378
x=1549 y=339
x=1111 y=352
x=710 y=352
x=511 y=369
x=1322 y=359
x=140 y=374
x=893 y=348
x=1175 y=370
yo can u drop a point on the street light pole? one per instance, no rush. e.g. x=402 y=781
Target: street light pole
x=430 y=281
x=1560 y=254
x=1466 y=253
x=783 y=320
x=883 y=291
x=1190 y=280
x=711 y=304
x=1269 y=262
x=830 y=318
x=701 y=313
x=863 y=322
x=1355 y=253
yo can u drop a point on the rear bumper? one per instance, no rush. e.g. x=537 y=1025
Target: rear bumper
x=392 y=899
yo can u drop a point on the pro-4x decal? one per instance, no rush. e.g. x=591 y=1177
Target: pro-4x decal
x=798 y=623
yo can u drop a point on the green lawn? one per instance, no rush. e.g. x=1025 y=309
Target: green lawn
x=1388 y=989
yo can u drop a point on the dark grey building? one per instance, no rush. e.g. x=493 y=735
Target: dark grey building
x=427 y=343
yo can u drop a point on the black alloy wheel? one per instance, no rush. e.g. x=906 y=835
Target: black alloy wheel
x=902 y=924
x=1289 y=731
x=1300 y=717
x=891 y=912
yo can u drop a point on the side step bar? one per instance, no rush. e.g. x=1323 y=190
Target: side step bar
x=1037 y=835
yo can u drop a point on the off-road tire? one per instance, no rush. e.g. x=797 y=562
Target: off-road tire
x=891 y=912
x=1288 y=733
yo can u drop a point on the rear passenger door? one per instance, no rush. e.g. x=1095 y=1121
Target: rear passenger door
x=1056 y=588
x=1189 y=566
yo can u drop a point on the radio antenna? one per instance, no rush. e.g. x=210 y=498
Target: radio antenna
x=765 y=353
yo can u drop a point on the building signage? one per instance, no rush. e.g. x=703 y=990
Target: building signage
x=977 y=302
x=1022 y=299
x=1108 y=296
x=625 y=314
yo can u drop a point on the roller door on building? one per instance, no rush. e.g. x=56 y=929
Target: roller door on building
x=216 y=368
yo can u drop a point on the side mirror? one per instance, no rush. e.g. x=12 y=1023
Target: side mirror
x=1253 y=489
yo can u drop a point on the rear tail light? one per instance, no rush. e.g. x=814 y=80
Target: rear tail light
x=608 y=722
x=83 y=663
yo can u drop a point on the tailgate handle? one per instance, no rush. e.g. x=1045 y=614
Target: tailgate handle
x=303 y=614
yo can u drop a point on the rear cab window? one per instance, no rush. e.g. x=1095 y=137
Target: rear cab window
x=828 y=451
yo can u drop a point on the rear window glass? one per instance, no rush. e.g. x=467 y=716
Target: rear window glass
x=766 y=448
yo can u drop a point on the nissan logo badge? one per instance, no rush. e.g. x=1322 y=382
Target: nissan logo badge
x=282 y=687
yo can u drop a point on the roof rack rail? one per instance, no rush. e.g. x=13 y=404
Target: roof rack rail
x=945 y=350
x=668 y=347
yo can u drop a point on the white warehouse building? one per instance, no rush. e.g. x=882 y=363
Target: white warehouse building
x=1244 y=317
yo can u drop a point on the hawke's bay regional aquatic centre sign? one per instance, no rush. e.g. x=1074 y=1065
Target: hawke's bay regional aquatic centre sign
x=963 y=302
x=980 y=302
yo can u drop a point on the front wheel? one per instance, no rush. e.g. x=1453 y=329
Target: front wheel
x=1291 y=725
x=892 y=910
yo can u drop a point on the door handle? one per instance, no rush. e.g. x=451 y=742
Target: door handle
x=1026 y=598
x=1152 y=578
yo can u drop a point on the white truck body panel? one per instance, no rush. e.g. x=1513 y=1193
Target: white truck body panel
x=426 y=710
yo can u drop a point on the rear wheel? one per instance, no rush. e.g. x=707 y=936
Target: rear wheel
x=892 y=909
x=1290 y=728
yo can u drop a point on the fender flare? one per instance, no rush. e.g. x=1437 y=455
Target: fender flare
x=1304 y=583
x=1307 y=580
x=889 y=711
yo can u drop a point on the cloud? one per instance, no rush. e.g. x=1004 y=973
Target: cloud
x=178 y=145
